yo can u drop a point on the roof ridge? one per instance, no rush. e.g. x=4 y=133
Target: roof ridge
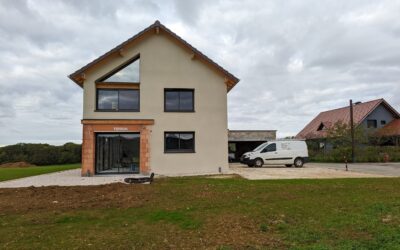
x=380 y=99
x=157 y=24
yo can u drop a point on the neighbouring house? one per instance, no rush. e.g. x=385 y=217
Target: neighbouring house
x=154 y=104
x=242 y=141
x=376 y=116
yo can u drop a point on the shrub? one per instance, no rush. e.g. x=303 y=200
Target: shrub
x=362 y=154
x=337 y=145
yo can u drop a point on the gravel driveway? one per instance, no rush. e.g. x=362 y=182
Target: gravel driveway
x=309 y=171
x=63 y=178
x=317 y=171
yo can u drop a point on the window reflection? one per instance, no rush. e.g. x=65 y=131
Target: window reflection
x=122 y=99
x=179 y=142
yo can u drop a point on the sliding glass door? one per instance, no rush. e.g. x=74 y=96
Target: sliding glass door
x=117 y=153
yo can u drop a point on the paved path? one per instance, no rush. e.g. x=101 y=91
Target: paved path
x=386 y=169
x=63 y=178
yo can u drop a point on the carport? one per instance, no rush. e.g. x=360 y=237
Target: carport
x=241 y=141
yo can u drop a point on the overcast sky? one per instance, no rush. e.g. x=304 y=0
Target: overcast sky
x=294 y=58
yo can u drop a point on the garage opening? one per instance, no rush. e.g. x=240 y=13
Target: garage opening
x=242 y=141
x=117 y=153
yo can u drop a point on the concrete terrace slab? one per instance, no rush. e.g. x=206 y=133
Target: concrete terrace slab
x=64 y=178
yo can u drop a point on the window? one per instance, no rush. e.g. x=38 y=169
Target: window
x=383 y=122
x=117 y=153
x=258 y=148
x=126 y=73
x=179 y=100
x=270 y=148
x=321 y=127
x=179 y=142
x=371 y=124
x=118 y=99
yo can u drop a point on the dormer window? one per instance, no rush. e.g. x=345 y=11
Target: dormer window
x=321 y=127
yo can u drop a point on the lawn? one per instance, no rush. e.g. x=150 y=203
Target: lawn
x=193 y=213
x=15 y=173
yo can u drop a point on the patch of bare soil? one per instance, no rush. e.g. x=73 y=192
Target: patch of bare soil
x=75 y=197
x=239 y=231
x=223 y=176
x=19 y=164
x=220 y=230
x=228 y=231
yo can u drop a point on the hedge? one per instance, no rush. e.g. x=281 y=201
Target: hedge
x=362 y=154
x=41 y=154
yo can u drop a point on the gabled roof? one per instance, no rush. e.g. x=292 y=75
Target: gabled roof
x=78 y=76
x=330 y=117
x=390 y=129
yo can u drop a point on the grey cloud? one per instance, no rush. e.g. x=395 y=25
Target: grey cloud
x=293 y=60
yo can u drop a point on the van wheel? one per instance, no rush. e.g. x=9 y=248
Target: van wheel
x=258 y=163
x=289 y=165
x=298 y=162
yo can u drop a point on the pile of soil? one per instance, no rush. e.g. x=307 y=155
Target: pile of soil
x=19 y=164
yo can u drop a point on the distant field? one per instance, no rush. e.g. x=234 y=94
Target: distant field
x=15 y=173
x=204 y=213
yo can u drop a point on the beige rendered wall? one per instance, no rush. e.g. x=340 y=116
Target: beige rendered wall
x=165 y=64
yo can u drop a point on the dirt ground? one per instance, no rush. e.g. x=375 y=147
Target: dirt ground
x=75 y=197
x=197 y=213
x=20 y=164
x=36 y=202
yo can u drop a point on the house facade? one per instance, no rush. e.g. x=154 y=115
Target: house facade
x=154 y=104
x=373 y=116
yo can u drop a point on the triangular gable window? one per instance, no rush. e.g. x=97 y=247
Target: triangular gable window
x=126 y=73
x=321 y=127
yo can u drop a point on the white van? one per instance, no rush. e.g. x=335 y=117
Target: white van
x=279 y=152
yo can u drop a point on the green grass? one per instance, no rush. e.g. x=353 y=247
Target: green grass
x=15 y=173
x=216 y=214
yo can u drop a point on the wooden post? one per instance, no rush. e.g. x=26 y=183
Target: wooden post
x=352 y=131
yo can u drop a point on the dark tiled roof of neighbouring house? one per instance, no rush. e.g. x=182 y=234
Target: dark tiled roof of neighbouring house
x=77 y=75
x=330 y=117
